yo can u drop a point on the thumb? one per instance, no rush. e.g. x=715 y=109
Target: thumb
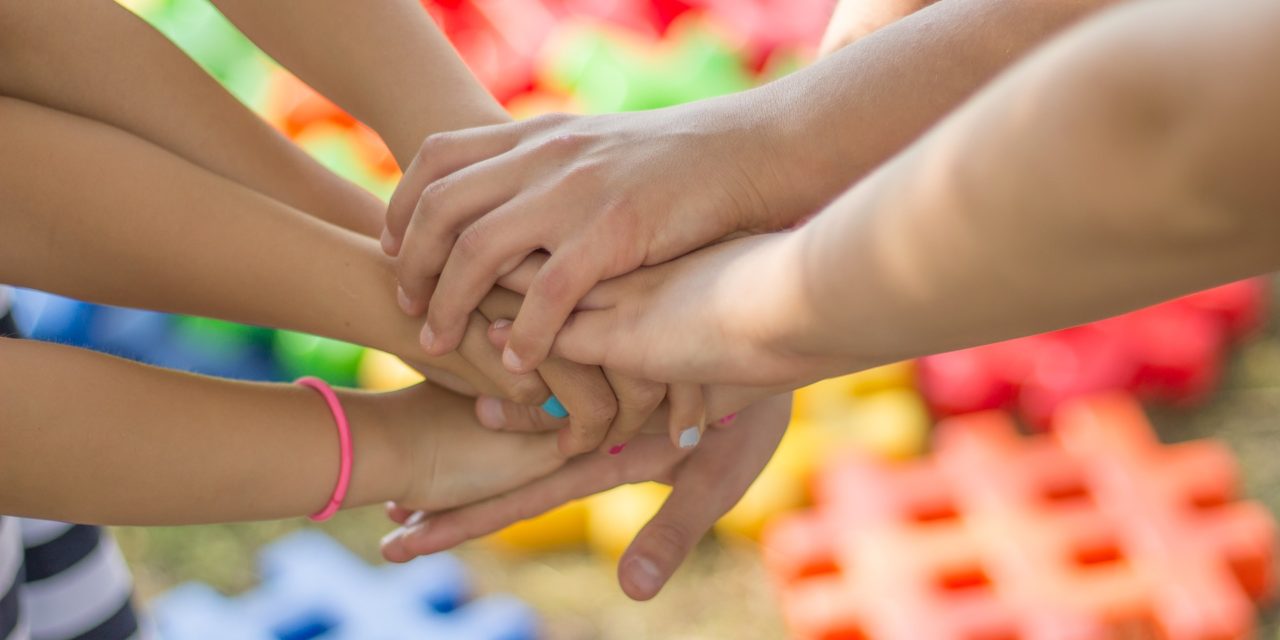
x=664 y=543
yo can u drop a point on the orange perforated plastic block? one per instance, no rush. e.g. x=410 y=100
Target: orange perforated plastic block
x=1095 y=532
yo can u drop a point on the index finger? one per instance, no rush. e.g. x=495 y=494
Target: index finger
x=440 y=155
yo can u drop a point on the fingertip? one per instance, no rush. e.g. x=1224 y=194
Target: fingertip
x=390 y=244
x=640 y=578
x=554 y=408
x=489 y=412
x=564 y=443
x=514 y=362
x=437 y=341
x=500 y=333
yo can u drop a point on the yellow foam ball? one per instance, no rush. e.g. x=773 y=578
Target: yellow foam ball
x=899 y=375
x=782 y=486
x=564 y=527
x=616 y=516
x=384 y=372
x=893 y=424
x=822 y=400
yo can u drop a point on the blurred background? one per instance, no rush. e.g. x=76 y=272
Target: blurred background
x=1207 y=366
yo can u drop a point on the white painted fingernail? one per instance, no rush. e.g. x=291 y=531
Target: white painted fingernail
x=415 y=519
x=393 y=536
x=689 y=437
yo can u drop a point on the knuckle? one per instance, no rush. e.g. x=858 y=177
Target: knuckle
x=433 y=146
x=601 y=411
x=434 y=193
x=555 y=283
x=668 y=537
x=643 y=398
x=524 y=390
x=561 y=144
x=472 y=241
x=584 y=174
x=549 y=119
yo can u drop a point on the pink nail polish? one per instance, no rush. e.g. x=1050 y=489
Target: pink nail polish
x=728 y=420
x=617 y=448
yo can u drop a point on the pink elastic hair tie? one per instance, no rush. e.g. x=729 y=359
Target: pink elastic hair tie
x=344 y=446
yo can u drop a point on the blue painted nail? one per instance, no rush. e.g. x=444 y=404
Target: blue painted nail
x=554 y=409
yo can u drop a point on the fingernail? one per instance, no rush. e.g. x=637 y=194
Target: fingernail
x=512 y=361
x=489 y=411
x=617 y=448
x=689 y=437
x=428 y=337
x=501 y=323
x=644 y=575
x=392 y=537
x=554 y=408
x=388 y=242
x=416 y=519
x=406 y=305
x=728 y=420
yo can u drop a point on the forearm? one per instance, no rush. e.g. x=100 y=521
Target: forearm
x=1096 y=178
x=94 y=213
x=97 y=48
x=385 y=62
x=91 y=438
x=837 y=120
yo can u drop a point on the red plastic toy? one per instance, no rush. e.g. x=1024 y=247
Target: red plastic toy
x=1095 y=532
x=1172 y=352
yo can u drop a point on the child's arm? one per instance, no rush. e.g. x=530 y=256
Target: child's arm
x=97 y=46
x=114 y=68
x=1100 y=176
x=93 y=212
x=385 y=62
x=641 y=188
x=91 y=438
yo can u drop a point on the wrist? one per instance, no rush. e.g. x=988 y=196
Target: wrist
x=787 y=165
x=381 y=466
x=769 y=307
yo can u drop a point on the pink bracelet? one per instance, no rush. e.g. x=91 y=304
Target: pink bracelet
x=344 y=444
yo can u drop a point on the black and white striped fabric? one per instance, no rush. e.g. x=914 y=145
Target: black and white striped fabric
x=61 y=581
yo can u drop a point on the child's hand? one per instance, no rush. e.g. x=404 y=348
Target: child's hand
x=451 y=459
x=711 y=317
x=603 y=195
x=706 y=483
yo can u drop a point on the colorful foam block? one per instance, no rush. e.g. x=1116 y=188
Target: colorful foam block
x=1172 y=352
x=312 y=587
x=1095 y=532
x=300 y=354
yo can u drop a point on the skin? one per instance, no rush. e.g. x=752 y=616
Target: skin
x=1153 y=171
x=706 y=483
x=400 y=76
x=172 y=448
x=605 y=195
x=1188 y=202
x=95 y=45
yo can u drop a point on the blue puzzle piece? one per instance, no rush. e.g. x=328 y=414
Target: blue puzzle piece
x=313 y=588
x=44 y=316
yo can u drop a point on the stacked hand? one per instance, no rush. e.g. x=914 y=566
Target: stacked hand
x=706 y=482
